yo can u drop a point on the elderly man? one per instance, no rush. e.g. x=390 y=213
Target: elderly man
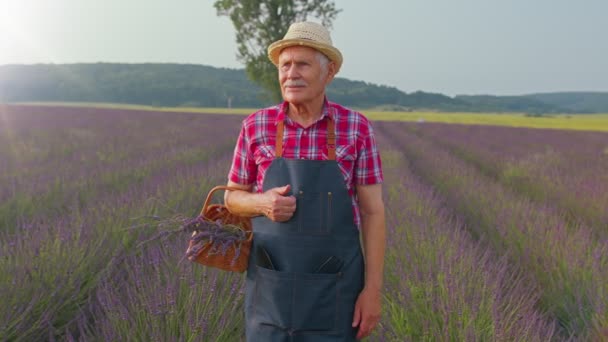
x=310 y=176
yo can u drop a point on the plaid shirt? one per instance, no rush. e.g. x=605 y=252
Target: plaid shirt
x=356 y=150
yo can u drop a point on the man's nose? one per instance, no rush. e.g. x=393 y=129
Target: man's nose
x=292 y=72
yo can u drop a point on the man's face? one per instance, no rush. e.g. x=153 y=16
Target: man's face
x=301 y=75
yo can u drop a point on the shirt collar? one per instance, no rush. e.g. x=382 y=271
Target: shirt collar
x=328 y=111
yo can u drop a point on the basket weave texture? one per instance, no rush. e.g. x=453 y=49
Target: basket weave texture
x=236 y=258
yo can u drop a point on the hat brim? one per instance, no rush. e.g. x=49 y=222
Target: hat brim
x=334 y=55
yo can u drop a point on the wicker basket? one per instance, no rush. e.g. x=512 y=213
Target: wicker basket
x=225 y=261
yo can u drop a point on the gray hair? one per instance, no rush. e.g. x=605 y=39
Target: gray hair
x=324 y=61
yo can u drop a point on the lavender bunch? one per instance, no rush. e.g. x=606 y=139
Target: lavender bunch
x=221 y=237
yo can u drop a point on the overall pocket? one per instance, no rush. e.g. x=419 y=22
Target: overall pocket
x=296 y=301
x=314 y=212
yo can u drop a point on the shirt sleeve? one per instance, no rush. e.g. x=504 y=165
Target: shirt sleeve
x=243 y=169
x=368 y=169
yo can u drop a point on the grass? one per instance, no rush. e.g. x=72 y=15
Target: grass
x=585 y=122
x=124 y=106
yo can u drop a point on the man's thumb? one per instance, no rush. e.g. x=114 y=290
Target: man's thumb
x=284 y=190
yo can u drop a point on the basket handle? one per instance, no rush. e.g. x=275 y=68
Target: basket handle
x=210 y=195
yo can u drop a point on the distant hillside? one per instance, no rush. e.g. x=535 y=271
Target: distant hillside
x=180 y=85
x=565 y=102
x=148 y=84
x=583 y=102
x=205 y=86
x=489 y=103
x=366 y=95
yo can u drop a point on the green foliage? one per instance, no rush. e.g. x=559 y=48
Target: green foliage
x=581 y=102
x=187 y=85
x=259 y=23
x=148 y=84
x=179 y=85
x=511 y=104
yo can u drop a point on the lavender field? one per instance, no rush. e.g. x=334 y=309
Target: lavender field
x=495 y=233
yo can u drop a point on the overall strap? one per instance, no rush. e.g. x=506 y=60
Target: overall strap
x=279 y=143
x=331 y=139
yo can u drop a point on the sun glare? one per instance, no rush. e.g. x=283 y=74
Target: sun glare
x=13 y=35
x=17 y=40
x=11 y=18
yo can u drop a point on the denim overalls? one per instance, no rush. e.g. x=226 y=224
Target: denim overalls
x=308 y=290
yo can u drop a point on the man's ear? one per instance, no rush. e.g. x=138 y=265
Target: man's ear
x=331 y=72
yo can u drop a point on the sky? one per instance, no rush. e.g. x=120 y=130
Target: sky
x=506 y=47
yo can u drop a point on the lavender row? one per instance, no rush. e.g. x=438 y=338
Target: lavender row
x=67 y=184
x=442 y=285
x=43 y=144
x=55 y=265
x=566 y=262
x=561 y=168
x=161 y=297
x=51 y=270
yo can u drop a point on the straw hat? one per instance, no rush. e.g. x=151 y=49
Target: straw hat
x=306 y=34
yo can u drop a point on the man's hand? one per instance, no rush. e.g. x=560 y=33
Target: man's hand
x=367 y=312
x=278 y=206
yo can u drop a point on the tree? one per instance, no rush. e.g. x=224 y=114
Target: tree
x=259 y=23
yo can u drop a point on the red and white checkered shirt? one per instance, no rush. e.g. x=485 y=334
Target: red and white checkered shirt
x=356 y=150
